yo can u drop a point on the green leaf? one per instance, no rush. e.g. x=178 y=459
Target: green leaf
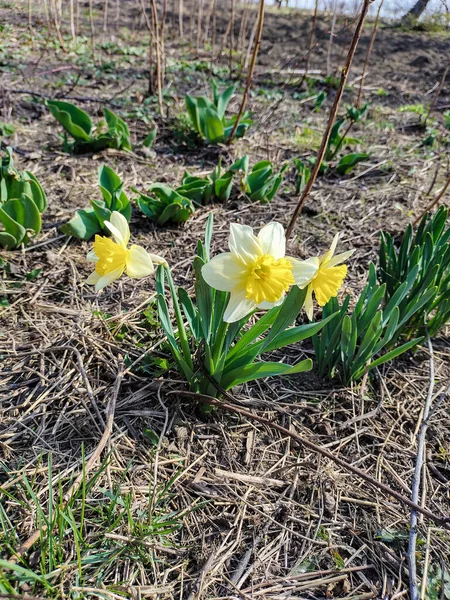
x=223 y=100
x=190 y=312
x=349 y=161
x=288 y=312
x=261 y=370
x=25 y=212
x=213 y=130
x=395 y=352
x=74 y=120
x=84 y=225
x=296 y=334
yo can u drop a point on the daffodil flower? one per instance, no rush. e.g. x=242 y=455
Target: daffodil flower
x=328 y=277
x=112 y=257
x=255 y=271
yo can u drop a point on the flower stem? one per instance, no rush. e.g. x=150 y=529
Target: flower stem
x=179 y=319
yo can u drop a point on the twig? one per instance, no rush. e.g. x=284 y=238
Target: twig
x=416 y=479
x=369 y=52
x=311 y=42
x=332 y=116
x=250 y=70
x=435 y=200
x=444 y=521
x=438 y=92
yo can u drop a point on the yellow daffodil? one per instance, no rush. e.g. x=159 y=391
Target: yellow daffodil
x=328 y=277
x=112 y=257
x=255 y=271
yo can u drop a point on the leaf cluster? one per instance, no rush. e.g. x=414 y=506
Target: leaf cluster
x=22 y=202
x=351 y=343
x=261 y=184
x=78 y=124
x=427 y=256
x=208 y=116
x=89 y=221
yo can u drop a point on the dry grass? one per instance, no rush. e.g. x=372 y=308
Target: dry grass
x=178 y=504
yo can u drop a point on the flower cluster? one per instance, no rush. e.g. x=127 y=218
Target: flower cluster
x=256 y=271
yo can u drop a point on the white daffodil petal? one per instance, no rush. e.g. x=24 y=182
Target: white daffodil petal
x=93 y=278
x=329 y=254
x=238 y=307
x=243 y=244
x=304 y=271
x=139 y=262
x=269 y=305
x=92 y=256
x=223 y=272
x=108 y=278
x=340 y=258
x=308 y=305
x=273 y=240
x=119 y=222
x=158 y=260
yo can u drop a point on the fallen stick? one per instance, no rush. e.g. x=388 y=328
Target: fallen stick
x=443 y=521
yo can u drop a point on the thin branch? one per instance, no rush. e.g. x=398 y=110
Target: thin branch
x=444 y=521
x=369 y=52
x=332 y=116
x=438 y=92
x=251 y=70
x=416 y=479
x=311 y=44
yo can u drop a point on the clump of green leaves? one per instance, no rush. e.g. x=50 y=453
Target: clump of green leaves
x=351 y=343
x=213 y=355
x=165 y=205
x=89 y=221
x=87 y=138
x=427 y=254
x=208 y=116
x=22 y=202
x=339 y=138
x=215 y=187
x=262 y=183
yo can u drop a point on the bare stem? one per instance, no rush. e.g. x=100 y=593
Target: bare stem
x=250 y=70
x=332 y=116
x=311 y=42
x=435 y=201
x=369 y=52
x=416 y=479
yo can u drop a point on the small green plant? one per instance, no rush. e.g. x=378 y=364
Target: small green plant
x=261 y=184
x=351 y=343
x=78 y=124
x=303 y=173
x=427 y=253
x=6 y=129
x=320 y=100
x=208 y=116
x=338 y=138
x=22 y=202
x=165 y=205
x=89 y=221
